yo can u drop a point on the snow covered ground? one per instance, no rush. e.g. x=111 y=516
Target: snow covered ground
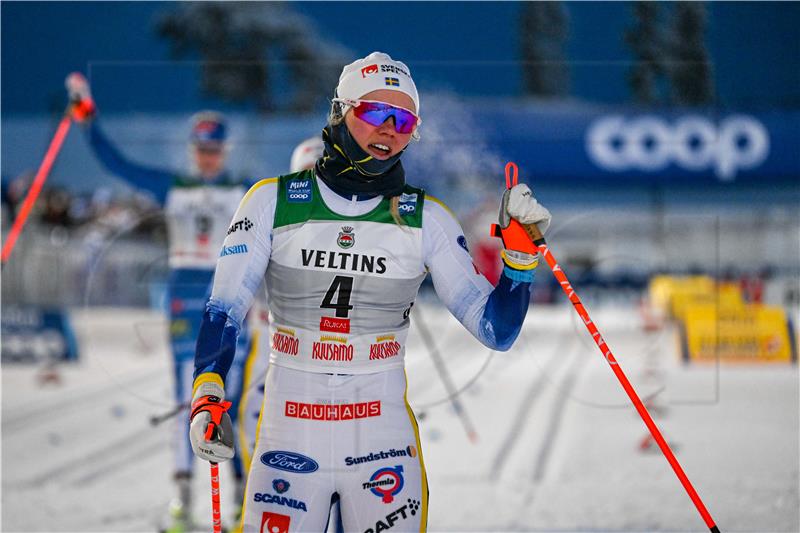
x=557 y=448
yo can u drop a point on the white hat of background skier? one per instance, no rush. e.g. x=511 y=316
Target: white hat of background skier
x=306 y=153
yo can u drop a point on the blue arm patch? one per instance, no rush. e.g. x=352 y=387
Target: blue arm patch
x=216 y=342
x=505 y=311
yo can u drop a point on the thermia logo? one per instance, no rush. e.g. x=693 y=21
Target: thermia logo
x=290 y=462
x=233 y=250
x=386 y=482
x=328 y=412
x=298 y=191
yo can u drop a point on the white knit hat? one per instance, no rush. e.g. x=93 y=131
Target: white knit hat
x=306 y=154
x=376 y=71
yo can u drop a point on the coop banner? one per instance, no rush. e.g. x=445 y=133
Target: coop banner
x=578 y=143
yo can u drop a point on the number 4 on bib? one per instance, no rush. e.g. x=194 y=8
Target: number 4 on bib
x=344 y=286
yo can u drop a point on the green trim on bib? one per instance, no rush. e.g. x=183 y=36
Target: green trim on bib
x=299 y=201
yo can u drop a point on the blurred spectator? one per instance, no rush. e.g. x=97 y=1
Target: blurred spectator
x=56 y=207
x=101 y=210
x=13 y=192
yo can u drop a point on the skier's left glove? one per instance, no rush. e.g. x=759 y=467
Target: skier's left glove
x=519 y=203
x=210 y=429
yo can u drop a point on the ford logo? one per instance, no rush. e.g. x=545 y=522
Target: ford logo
x=290 y=462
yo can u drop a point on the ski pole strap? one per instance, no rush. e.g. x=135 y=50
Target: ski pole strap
x=512 y=174
x=215 y=407
x=516 y=236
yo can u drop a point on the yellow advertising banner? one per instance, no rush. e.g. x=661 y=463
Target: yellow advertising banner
x=672 y=296
x=742 y=333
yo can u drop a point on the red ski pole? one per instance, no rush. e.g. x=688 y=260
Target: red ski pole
x=516 y=231
x=216 y=515
x=216 y=411
x=36 y=187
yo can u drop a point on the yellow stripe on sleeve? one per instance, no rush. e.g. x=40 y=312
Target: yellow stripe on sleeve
x=207 y=377
x=441 y=203
x=257 y=186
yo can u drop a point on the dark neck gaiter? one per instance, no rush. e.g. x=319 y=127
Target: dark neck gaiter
x=346 y=168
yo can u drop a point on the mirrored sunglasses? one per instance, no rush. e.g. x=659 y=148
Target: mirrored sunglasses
x=376 y=113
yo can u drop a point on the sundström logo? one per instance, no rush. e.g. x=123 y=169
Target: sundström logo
x=290 y=462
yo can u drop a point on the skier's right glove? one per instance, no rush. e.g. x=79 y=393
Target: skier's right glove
x=81 y=105
x=518 y=203
x=210 y=429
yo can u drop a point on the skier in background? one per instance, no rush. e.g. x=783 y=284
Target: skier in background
x=198 y=206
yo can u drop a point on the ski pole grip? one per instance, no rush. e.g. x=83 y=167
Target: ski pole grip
x=533 y=232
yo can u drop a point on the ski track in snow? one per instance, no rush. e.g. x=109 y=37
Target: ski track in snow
x=557 y=449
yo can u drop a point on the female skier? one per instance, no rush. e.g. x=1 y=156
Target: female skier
x=343 y=249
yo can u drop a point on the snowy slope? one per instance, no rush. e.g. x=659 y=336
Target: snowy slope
x=558 y=445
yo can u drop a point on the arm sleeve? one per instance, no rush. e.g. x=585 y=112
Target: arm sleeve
x=154 y=180
x=240 y=270
x=493 y=315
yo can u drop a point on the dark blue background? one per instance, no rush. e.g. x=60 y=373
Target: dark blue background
x=469 y=47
